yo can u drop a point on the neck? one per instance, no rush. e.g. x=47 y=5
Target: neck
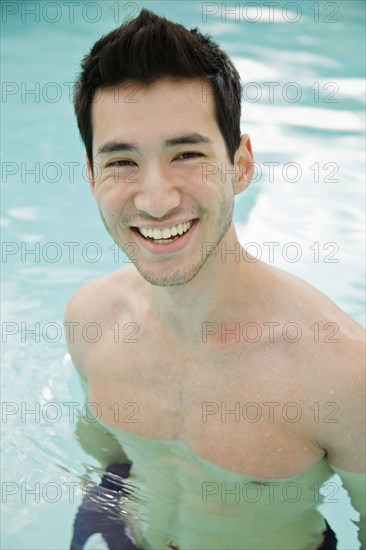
x=222 y=287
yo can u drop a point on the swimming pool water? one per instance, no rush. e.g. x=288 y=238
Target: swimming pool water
x=307 y=196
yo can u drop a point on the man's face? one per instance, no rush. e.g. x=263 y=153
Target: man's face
x=161 y=176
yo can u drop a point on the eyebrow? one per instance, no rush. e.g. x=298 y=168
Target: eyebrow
x=186 y=139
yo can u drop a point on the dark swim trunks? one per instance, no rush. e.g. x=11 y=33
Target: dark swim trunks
x=330 y=540
x=99 y=512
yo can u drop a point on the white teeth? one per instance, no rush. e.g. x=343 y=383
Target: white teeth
x=166 y=233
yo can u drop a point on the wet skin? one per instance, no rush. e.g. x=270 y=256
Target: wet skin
x=147 y=176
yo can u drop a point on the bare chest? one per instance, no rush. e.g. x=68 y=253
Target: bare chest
x=237 y=410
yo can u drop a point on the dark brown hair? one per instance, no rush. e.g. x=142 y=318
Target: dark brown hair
x=150 y=47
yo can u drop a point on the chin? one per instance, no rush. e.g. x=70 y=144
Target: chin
x=172 y=278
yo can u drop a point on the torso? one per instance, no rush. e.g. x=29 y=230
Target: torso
x=205 y=395
x=161 y=387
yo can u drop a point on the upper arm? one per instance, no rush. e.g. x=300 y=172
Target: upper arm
x=75 y=318
x=93 y=437
x=342 y=435
x=343 y=438
x=96 y=440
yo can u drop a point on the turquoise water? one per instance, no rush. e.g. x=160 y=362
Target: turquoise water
x=314 y=144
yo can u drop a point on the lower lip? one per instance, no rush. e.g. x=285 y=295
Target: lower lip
x=166 y=248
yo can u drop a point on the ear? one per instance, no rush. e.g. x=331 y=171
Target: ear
x=90 y=174
x=244 y=164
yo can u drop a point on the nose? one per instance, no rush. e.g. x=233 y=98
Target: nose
x=158 y=194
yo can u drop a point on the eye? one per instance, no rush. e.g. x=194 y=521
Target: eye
x=189 y=155
x=120 y=163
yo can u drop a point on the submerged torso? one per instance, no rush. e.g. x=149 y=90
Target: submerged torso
x=182 y=500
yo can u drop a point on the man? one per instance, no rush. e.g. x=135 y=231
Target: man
x=215 y=425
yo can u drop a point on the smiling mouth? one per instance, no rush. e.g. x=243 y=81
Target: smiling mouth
x=166 y=234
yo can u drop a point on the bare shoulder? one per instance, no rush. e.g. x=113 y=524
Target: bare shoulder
x=305 y=304
x=101 y=295
x=330 y=362
x=329 y=345
x=98 y=303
